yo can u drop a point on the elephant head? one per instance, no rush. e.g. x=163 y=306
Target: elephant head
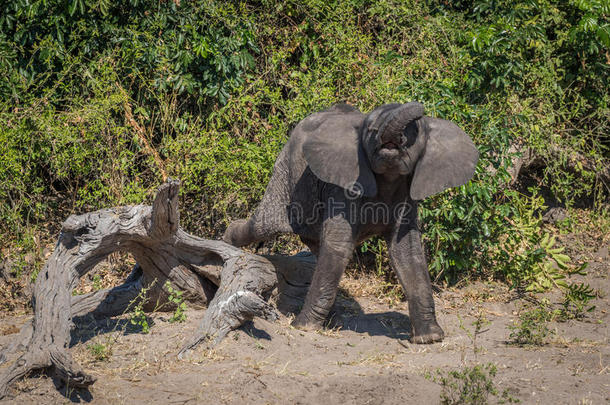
x=352 y=150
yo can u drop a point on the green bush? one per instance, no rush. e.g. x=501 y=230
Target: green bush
x=99 y=351
x=532 y=327
x=472 y=385
x=103 y=100
x=198 y=48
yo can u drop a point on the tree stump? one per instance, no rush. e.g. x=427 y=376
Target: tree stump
x=233 y=284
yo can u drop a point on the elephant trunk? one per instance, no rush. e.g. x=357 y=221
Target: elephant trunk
x=396 y=120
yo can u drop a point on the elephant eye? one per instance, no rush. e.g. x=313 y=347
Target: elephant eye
x=409 y=135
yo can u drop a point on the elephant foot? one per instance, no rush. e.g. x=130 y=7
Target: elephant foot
x=303 y=322
x=428 y=333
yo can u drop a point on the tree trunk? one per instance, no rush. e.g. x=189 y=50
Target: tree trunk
x=233 y=284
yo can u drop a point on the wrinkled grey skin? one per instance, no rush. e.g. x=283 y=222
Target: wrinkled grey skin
x=338 y=162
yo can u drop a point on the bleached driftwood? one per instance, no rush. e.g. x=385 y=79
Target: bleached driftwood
x=233 y=284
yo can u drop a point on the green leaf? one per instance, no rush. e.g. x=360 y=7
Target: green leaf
x=72 y=7
x=561 y=258
x=603 y=33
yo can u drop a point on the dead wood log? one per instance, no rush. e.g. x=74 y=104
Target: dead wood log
x=235 y=285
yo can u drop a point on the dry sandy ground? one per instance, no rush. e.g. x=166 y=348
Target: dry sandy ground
x=368 y=360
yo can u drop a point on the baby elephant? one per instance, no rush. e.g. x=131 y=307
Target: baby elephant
x=345 y=176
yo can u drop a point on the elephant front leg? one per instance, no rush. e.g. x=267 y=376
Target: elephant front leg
x=408 y=260
x=335 y=249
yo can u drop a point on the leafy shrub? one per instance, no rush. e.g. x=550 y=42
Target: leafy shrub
x=576 y=299
x=471 y=385
x=100 y=351
x=532 y=327
x=138 y=317
x=103 y=100
x=197 y=48
x=175 y=299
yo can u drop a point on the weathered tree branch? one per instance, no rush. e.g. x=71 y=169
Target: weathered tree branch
x=235 y=285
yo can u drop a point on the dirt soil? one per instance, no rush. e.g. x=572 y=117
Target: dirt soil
x=366 y=360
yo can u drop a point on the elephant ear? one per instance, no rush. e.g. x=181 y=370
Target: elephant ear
x=333 y=150
x=449 y=158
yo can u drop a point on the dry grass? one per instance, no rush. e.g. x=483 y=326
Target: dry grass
x=372 y=286
x=333 y=332
x=9 y=330
x=256 y=365
x=485 y=292
x=109 y=273
x=376 y=359
x=560 y=341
